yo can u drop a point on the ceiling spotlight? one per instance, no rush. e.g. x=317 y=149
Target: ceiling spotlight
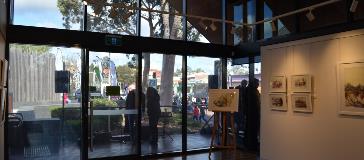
x=353 y=6
x=212 y=26
x=273 y=26
x=310 y=16
x=202 y=25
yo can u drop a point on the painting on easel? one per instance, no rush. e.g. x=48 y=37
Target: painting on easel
x=223 y=100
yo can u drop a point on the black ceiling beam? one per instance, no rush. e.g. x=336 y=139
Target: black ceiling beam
x=253 y=48
x=130 y=44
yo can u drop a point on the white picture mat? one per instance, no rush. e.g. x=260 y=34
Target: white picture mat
x=278 y=79
x=303 y=78
x=346 y=73
x=306 y=98
x=223 y=100
x=283 y=97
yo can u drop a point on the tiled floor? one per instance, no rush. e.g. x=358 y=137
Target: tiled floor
x=219 y=155
x=72 y=151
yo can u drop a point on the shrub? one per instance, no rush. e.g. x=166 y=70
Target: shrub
x=104 y=102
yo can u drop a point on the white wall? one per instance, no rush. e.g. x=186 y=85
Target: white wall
x=324 y=134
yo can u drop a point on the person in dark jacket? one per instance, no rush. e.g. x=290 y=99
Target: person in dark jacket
x=252 y=115
x=154 y=112
x=131 y=119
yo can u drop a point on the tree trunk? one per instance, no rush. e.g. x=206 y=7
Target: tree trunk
x=147 y=56
x=145 y=71
x=166 y=88
x=170 y=32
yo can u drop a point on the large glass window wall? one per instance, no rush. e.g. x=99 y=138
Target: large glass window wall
x=122 y=17
x=44 y=102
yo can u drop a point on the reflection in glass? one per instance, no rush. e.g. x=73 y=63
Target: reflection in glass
x=112 y=17
x=61 y=14
x=44 y=122
x=162 y=119
x=166 y=26
x=113 y=117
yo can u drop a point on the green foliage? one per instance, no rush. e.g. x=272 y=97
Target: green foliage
x=69 y=113
x=71 y=11
x=104 y=102
x=72 y=118
x=32 y=49
x=125 y=74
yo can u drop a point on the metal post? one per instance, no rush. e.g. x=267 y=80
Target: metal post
x=62 y=122
x=139 y=83
x=184 y=84
x=84 y=95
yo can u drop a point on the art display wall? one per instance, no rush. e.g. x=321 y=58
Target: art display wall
x=334 y=128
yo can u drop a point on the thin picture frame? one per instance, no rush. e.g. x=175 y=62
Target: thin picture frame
x=350 y=85
x=5 y=66
x=278 y=84
x=2 y=105
x=302 y=102
x=2 y=72
x=301 y=83
x=278 y=101
x=223 y=100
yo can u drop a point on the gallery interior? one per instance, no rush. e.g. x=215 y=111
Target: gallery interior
x=157 y=79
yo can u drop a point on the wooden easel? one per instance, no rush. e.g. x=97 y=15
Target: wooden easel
x=224 y=136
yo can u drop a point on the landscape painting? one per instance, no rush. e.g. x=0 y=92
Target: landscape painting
x=278 y=101
x=301 y=83
x=223 y=100
x=351 y=81
x=301 y=102
x=277 y=84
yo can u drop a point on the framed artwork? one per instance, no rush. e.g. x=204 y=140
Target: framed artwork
x=277 y=84
x=301 y=102
x=2 y=105
x=301 y=83
x=350 y=81
x=278 y=101
x=223 y=100
x=4 y=71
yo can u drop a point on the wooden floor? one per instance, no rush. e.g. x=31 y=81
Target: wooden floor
x=218 y=155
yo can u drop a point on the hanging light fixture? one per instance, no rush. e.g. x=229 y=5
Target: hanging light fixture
x=212 y=26
x=310 y=16
x=354 y=5
x=202 y=25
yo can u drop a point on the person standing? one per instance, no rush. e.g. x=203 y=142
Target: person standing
x=196 y=113
x=154 y=112
x=252 y=115
x=202 y=112
x=131 y=119
x=240 y=116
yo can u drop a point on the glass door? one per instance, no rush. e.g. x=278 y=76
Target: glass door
x=44 y=102
x=113 y=111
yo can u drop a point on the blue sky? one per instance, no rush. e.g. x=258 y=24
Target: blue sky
x=44 y=13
